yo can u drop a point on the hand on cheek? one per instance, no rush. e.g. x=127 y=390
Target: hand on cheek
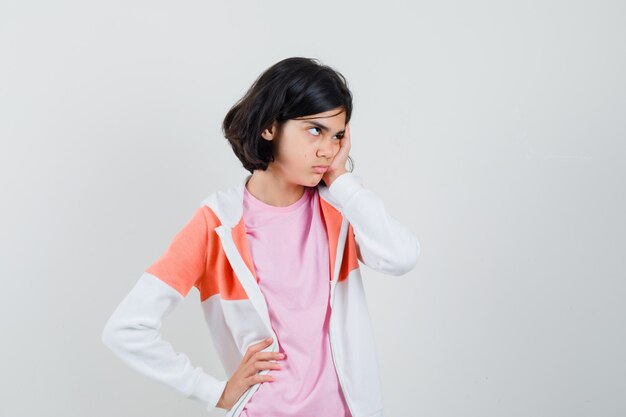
x=338 y=164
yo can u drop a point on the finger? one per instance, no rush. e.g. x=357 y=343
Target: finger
x=346 y=136
x=251 y=380
x=262 y=365
x=256 y=366
x=256 y=347
x=269 y=356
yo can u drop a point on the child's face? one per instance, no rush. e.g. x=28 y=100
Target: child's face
x=305 y=142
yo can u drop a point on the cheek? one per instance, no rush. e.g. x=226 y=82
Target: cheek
x=307 y=153
x=298 y=157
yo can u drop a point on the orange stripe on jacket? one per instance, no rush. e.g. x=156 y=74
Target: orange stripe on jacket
x=196 y=249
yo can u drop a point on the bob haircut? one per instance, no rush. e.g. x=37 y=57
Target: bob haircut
x=291 y=88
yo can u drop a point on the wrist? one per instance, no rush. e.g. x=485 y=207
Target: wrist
x=333 y=176
x=345 y=188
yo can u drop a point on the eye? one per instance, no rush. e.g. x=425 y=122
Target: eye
x=314 y=128
x=338 y=137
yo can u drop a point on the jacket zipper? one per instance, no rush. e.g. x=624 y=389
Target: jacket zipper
x=237 y=262
x=330 y=331
x=343 y=390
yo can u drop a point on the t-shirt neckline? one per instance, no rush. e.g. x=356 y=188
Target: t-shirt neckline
x=268 y=207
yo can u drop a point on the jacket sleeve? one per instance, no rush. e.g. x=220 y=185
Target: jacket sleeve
x=383 y=243
x=133 y=330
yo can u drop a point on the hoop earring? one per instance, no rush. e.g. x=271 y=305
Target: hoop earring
x=351 y=169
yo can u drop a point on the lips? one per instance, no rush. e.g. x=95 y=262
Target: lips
x=320 y=169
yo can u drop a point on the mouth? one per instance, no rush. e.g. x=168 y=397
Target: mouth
x=320 y=169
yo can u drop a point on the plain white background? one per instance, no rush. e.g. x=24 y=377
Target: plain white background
x=494 y=130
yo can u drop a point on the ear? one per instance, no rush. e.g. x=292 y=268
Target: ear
x=271 y=132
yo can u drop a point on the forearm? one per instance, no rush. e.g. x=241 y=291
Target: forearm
x=132 y=333
x=384 y=244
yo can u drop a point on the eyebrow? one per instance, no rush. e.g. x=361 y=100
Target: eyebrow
x=321 y=126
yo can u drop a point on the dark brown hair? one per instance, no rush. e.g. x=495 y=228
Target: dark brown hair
x=291 y=88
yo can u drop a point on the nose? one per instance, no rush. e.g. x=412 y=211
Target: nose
x=325 y=148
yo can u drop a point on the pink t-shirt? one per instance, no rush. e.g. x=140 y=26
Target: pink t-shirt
x=289 y=248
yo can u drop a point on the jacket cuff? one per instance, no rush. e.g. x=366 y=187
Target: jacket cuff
x=345 y=186
x=211 y=389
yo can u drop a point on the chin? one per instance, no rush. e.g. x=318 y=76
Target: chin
x=314 y=182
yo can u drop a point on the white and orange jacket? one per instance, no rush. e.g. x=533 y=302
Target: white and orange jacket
x=211 y=254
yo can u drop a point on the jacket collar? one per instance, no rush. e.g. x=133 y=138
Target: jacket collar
x=228 y=204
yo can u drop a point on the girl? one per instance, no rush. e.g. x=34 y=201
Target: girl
x=275 y=259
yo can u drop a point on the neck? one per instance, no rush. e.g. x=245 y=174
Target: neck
x=273 y=189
